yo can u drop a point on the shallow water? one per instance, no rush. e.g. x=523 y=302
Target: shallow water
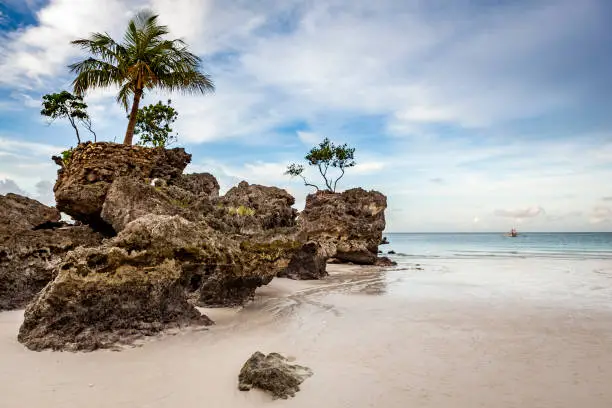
x=571 y=283
x=597 y=245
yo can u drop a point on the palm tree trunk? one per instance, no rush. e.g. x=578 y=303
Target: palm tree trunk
x=129 y=134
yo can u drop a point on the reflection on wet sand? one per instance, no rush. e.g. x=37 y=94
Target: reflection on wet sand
x=452 y=336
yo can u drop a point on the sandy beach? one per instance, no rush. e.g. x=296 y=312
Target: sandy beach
x=372 y=338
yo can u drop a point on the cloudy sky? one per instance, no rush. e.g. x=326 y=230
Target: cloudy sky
x=470 y=115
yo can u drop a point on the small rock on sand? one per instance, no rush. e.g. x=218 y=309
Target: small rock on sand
x=272 y=373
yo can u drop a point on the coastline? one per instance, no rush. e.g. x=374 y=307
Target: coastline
x=368 y=345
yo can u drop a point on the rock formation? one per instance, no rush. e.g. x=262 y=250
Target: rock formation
x=177 y=244
x=199 y=184
x=234 y=243
x=84 y=179
x=344 y=226
x=32 y=244
x=22 y=213
x=173 y=243
x=309 y=262
x=352 y=220
x=385 y=262
x=102 y=297
x=272 y=373
x=128 y=199
x=129 y=286
x=138 y=283
x=249 y=209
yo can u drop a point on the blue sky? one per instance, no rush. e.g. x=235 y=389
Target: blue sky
x=470 y=115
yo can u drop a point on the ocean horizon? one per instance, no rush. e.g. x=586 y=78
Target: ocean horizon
x=450 y=245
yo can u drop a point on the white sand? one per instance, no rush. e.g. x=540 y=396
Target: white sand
x=369 y=340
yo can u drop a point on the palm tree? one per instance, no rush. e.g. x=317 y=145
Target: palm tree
x=143 y=61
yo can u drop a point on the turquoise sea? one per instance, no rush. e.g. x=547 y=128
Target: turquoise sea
x=488 y=245
x=566 y=270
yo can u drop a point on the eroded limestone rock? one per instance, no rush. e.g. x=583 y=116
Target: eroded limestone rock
x=104 y=296
x=139 y=282
x=346 y=226
x=22 y=213
x=199 y=184
x=385 y=262
x=28 y=260
x=309 y=262
x=129 y=199
x=272 y=373
x=83 y=180
x=32 y=243
x=249 y=209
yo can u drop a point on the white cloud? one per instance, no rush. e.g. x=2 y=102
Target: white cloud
x=328 y=64
x=9 y=186
x=27 y=168
x=331 y=59
x=367 y=167
x=33 y=54
x=21 y=148
x=520 y=213
x=564 y=216
x=43 y=191
x=309 y=138
x=601 y=215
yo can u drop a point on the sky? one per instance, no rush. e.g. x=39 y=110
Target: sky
x=470 y=115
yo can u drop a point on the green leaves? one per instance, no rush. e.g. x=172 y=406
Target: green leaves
x=328 y=154
x=144 y=60
x=294 y=170
x=67 y=155
x=324 y=156
x=153 y=124
x=64 y=105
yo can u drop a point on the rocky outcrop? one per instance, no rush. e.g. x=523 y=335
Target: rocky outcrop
x=198 y=184
x=84 y=179
x=252 y=208
x=104 y=296
x=129 y=199
x=32 y=244
x=344 y=226
x=352 y=220
x=256 y=262
x=172 y=244
x=28 y=260
x=309 y=262
x=272 y=373
x=218 y=269
x=138 y=282
x=385 y=262
x=234 y=243
x=129 y=286
x=22 y=213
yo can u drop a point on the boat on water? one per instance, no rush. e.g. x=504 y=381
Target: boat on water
x=512 y=233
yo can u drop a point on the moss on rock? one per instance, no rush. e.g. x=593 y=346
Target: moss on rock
x=273 y=374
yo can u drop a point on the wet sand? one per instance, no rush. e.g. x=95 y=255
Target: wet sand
x=368 y=344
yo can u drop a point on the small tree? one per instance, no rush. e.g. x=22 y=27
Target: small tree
x=153 y=124
x=324 y=156
x=69 y=106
